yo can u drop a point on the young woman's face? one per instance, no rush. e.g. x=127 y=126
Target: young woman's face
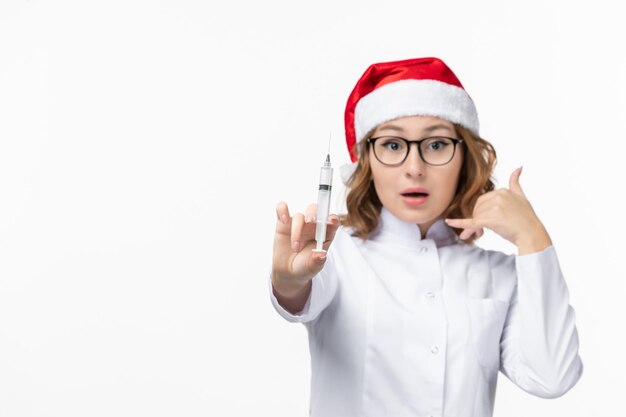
x=399 y=188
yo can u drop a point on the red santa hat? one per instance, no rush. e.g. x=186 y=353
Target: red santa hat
x=389 y=90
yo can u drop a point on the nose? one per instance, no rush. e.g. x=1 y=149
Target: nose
x=414 y=166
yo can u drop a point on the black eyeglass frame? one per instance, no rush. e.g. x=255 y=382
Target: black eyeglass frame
x=408 y=143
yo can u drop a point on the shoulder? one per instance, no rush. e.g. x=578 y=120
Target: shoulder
x=490 y=273
x=345 y=235
x=494 y=256
x=477 y=255
x=500 y=259
x=342 y=241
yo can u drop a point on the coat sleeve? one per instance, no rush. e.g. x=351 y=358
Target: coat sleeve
x=539 y=343
x=323 y=289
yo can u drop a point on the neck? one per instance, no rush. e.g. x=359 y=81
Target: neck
x=425 y=226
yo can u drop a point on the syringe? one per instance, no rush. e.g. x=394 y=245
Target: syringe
x=323 y=203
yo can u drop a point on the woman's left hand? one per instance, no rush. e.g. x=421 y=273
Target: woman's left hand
x=508 y=213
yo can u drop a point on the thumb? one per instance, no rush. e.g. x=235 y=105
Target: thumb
x=514 y=184
x=316 y=261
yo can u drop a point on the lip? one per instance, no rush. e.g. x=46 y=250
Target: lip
x=415 y=190
x=414 y=201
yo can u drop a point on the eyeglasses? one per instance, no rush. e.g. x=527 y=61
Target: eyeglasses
x=393 y=150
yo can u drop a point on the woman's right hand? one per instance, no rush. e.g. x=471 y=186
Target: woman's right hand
x=294 y=261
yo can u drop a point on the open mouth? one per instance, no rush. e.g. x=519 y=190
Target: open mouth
x=415 y=195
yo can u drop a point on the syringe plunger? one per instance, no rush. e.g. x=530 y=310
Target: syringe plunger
x=323 y=203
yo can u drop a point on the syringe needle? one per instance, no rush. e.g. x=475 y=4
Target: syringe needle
x=329 y=139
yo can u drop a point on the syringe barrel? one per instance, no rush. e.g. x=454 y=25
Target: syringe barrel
x=323 y=195
x=323 y=205
x=326 y=176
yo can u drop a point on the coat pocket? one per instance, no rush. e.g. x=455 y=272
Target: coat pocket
x=486 y=317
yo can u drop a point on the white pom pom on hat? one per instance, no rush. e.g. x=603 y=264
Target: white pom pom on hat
x=412 y=87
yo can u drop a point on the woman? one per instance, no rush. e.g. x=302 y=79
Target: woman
x=405 y=315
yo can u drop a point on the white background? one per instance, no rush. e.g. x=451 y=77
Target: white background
x=145 y=144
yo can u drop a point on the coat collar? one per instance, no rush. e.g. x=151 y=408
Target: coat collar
x=392 y=229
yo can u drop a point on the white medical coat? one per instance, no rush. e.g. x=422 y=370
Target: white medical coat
x=404 y=326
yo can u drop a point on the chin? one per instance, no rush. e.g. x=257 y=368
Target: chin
x=413 y=215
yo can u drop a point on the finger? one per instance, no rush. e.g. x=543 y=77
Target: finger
x=318 y=257
x=514 y=184
x=488 y=206
x=331 y=230
x=316 y=261
x=282 y=215
x=310 y=213
x=297 y=222
x=462 y=223
x=469 y=226
x=467 y=233
x=484 y=201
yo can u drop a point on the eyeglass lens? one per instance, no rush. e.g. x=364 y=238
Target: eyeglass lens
x=393 y=150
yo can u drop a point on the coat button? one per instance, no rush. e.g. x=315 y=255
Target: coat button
x=434 y=350
x=423 y=249
x=430 y=294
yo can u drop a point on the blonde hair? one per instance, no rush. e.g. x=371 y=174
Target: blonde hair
x=363 y=204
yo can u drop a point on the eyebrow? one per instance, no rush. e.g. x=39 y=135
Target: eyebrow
x=427 y=129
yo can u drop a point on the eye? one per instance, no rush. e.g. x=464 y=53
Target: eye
x=392 y=144
x=438 y=144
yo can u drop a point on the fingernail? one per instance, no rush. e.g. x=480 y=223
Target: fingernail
x=321 y=259
x=283 y=219
x=295 y=246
